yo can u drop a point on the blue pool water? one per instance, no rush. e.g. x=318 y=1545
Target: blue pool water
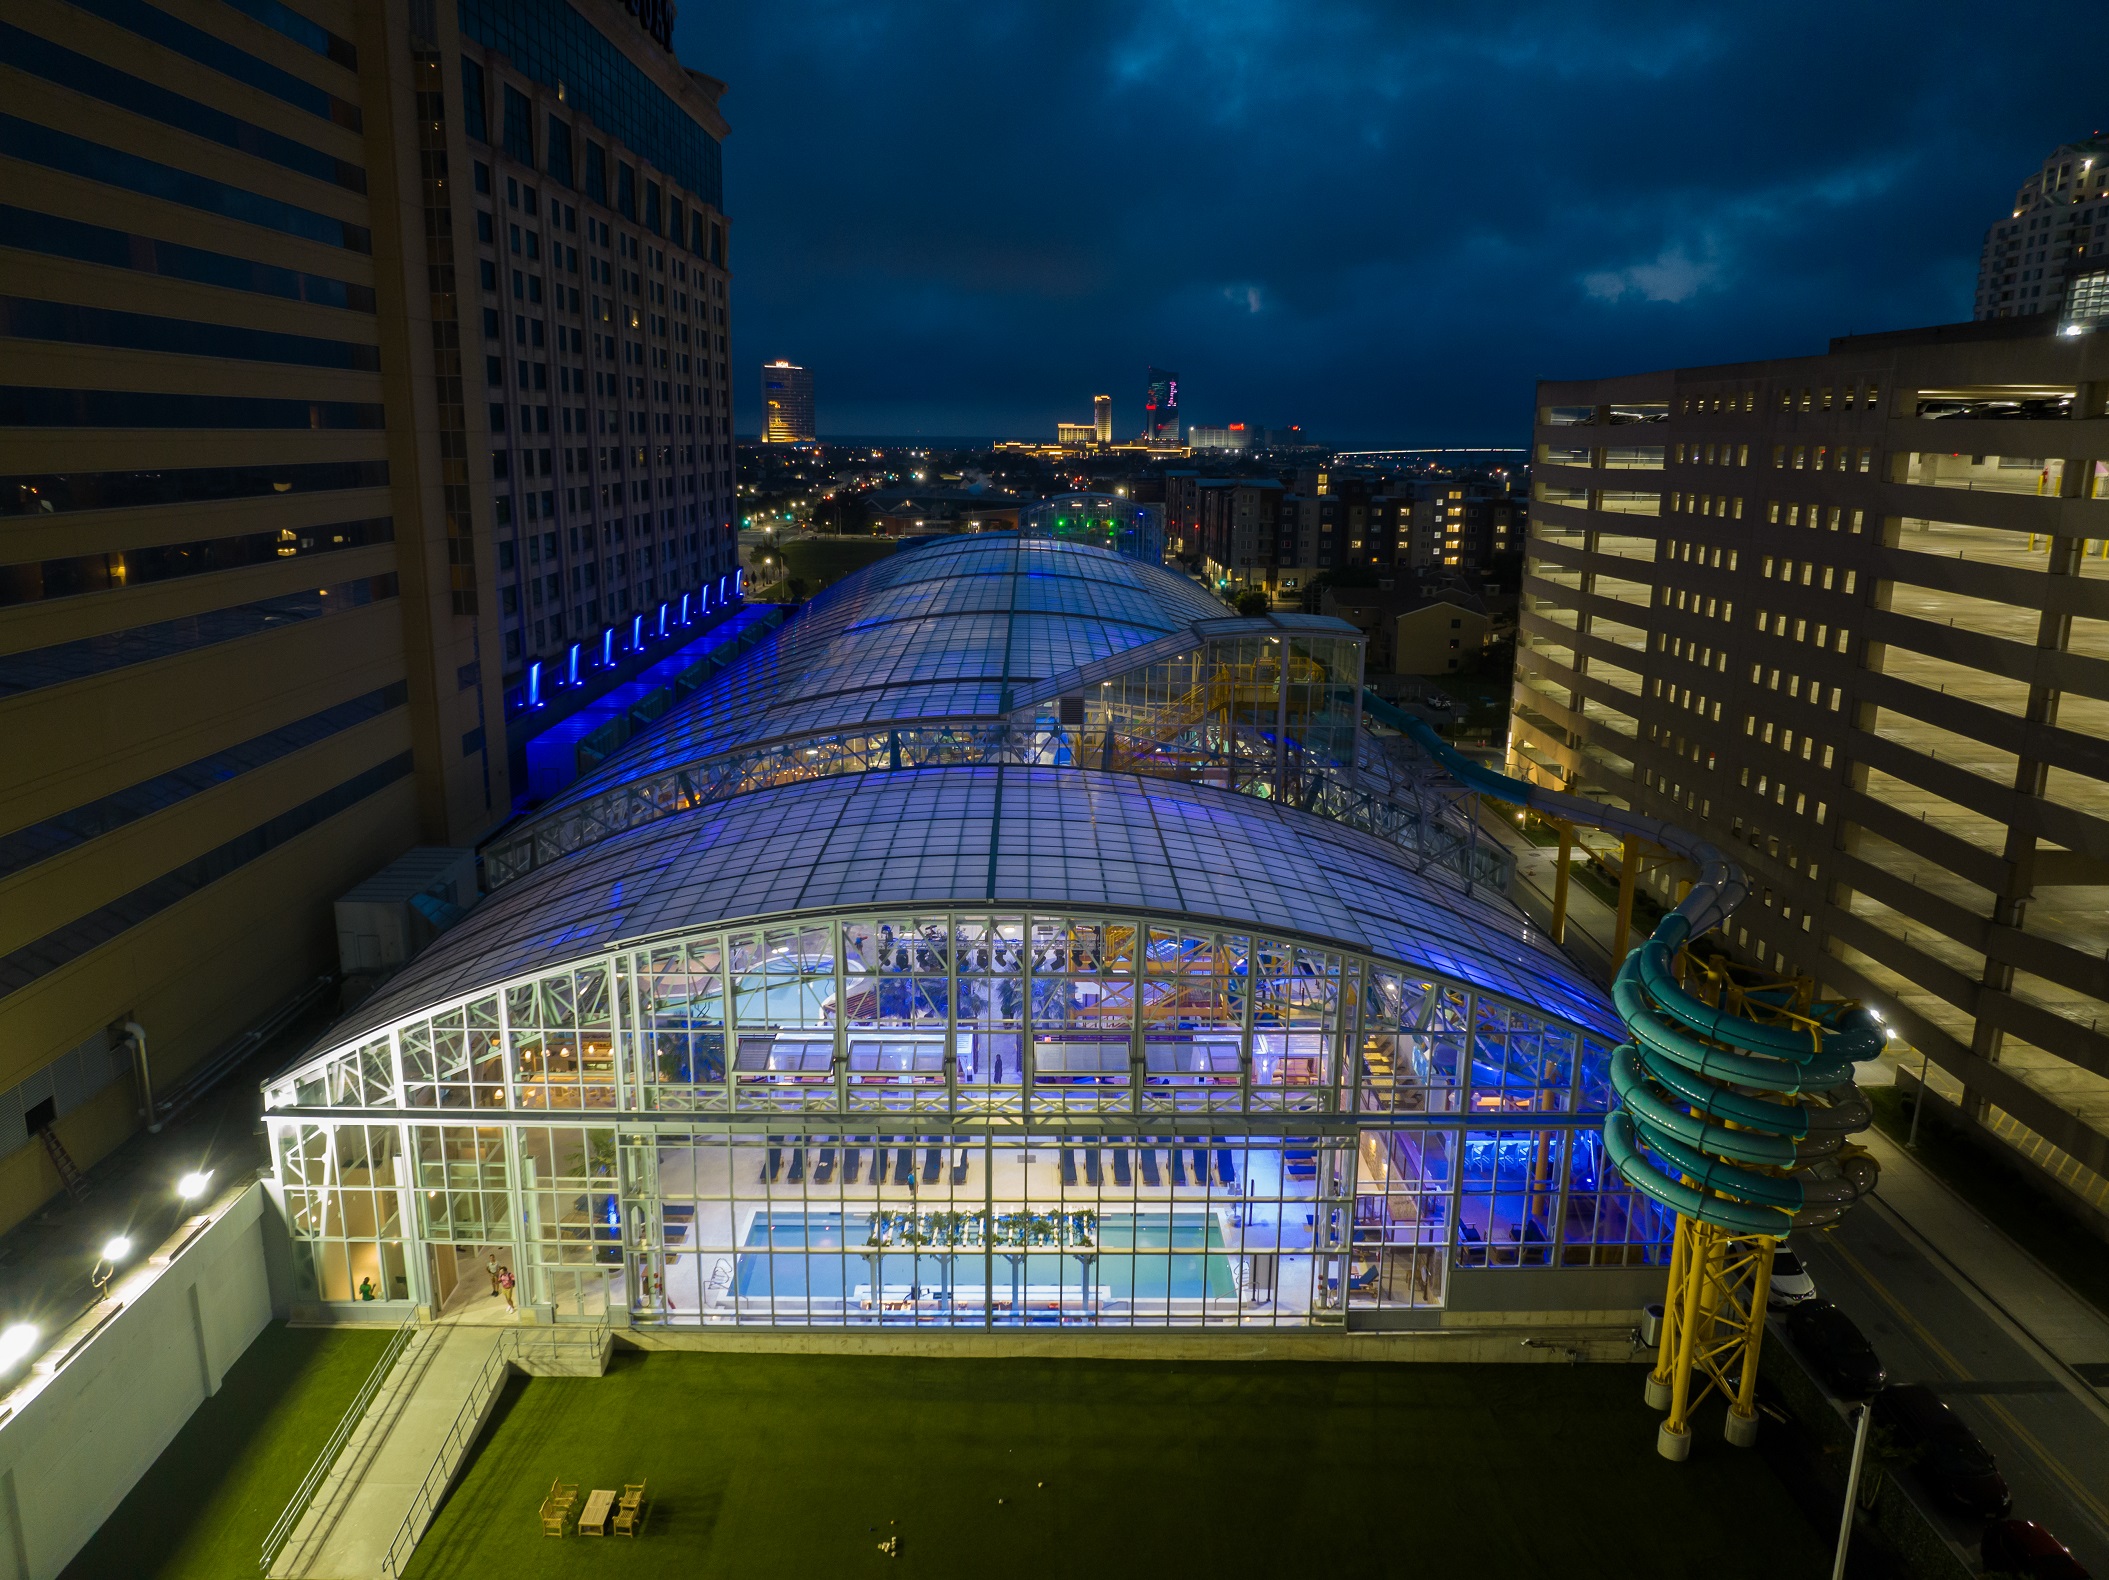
x=1141 y=1256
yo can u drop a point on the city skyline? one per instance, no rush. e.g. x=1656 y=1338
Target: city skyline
x=1417 y=294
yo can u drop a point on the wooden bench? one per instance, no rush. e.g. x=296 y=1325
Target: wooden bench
x=556 y=1508
x=629 y=1518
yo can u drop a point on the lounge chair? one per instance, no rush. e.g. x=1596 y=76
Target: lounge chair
x=1148 y=1156
x=904 y=1166
x=853 y=1163
x=772 y=1165
x=1121 y=1176
x=959 y=1166
x=1200 y=1165
x=933 y=1165
x=798 y=1165
x=1091 y=1169
x=1069 y=1167
x=824 y=1166
x=1226 y=1166
x=1178 y=1165
x=629 y=1513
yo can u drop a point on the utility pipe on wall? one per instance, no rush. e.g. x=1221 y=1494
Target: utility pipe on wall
x=135 y=1034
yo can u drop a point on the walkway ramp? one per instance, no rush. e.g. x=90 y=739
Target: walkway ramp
x=398 y=1463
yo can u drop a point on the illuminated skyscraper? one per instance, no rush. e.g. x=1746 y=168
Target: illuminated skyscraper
x=1102 y=411
x=787 y=403
x=1160 y=407
x=318 y=432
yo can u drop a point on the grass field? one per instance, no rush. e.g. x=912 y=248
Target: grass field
x=801 y=1465
x=203 y=1510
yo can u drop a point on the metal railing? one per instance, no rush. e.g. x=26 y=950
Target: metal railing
x=282 y=1532
x=514 y=1344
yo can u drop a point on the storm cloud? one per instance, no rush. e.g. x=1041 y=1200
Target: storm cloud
x=1380 y=221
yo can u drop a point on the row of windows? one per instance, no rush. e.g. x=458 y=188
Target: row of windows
x=1712 y=454
x=1824 y=457
x=33 y=580
x=41 y=841
x=218 y=55
x=1785 y=739
x=1810 y=575
x=26 y=406
x=1723 y=505
x=76 y=156
x=302 y=31
x=71 y=238
x=30 y=319
x=1814 y=516
x=77 y=660
x=50 y=493
x=54 y=63
x=548 y=41
x=65 y=944
x=1802 y=627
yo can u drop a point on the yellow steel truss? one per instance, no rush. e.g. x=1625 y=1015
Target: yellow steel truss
x=1713 y=1324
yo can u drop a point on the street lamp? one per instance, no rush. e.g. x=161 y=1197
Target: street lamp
x=16 y=1343
x=194 y=1184
x=115 y=1250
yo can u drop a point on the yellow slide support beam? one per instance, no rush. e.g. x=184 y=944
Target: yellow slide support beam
x=1713 y=1326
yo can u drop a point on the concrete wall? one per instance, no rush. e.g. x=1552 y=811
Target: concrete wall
x=84 y=1429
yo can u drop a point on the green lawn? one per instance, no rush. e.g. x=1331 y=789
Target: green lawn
x=203 y=1510
x=765 y=1465
x=2003 y=1194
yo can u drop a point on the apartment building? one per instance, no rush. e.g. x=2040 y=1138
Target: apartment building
x=350 y=356
x=1460 y=524
x=1848 y=615
x=1240 y=531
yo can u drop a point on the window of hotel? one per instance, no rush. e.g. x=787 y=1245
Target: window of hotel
x=560 y=150
x=474 y=119
x=519 y=126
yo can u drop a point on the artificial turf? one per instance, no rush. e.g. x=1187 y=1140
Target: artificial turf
x=763 y=1465
x=203 y=1509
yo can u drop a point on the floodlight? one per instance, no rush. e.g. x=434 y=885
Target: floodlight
x=16 y=1343
x=117 y=1248
x=194 y=1184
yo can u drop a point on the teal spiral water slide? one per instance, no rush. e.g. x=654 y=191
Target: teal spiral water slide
x=1732 y=1114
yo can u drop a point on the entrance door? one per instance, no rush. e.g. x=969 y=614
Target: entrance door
x=463 y=1282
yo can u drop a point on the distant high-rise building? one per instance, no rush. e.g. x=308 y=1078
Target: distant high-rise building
x=787 y=403
x=1102 y=411
x=1160 y=407
x=2049 y=253
x=1237 y=436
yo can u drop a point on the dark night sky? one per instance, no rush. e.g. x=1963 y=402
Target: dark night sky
x=1380 y=221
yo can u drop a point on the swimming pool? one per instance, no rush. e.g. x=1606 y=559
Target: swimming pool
x=1143 y=1256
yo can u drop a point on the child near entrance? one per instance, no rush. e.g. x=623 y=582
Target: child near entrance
x=505 y=1282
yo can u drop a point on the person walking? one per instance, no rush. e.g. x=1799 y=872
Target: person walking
x=490 y=1264
x=505 y=1287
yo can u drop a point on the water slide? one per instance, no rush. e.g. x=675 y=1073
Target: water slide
x=1731 y=1116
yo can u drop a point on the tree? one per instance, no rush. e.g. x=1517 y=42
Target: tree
x=1252 y=601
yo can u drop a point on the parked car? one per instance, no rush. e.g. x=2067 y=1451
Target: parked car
x=2026 y=1549
x=1940 y=1445
x=1791 y=1283
x=1835 y=1348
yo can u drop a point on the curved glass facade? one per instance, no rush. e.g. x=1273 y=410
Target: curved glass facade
x=967 y=1045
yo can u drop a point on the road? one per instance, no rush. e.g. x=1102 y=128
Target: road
x=1949 y=1302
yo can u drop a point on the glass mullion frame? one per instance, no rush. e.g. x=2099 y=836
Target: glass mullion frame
x=952 y=954
x=838 y=1057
